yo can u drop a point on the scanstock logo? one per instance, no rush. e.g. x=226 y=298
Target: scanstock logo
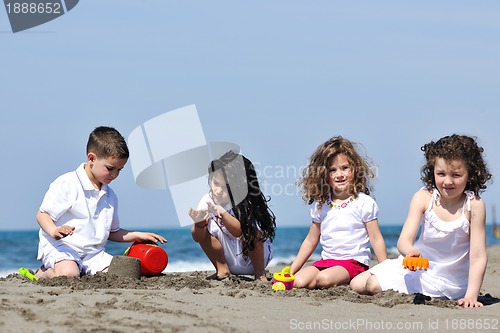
x=170 y=151
x=26 y=14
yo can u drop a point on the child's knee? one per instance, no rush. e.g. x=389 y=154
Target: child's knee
x=326 y=279
x=299 y=282
x=68 y=272
x=71 y=274
x=197 y=236
x=373 y=286
x=358 y=284
x=323 y=281
x=67 y=268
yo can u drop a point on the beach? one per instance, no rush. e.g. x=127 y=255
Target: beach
x=188 y=302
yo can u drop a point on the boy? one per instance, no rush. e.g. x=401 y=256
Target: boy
x=79 y=212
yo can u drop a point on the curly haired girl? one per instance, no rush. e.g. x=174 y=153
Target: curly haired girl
x=344 y=217
x=451 y=218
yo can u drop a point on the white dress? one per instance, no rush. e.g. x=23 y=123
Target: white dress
x=233 y=246
x=446 y=245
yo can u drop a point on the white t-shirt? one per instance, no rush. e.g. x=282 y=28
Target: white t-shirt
x=343 y=231
x=73 y=200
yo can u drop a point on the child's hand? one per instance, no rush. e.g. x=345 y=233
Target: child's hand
x=413 y=253
x=63 y=231
x=198 y=215
x=215 y=209
x=469 y=303
x=149 y=237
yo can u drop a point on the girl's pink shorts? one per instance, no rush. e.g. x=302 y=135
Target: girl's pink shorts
x=352 y=266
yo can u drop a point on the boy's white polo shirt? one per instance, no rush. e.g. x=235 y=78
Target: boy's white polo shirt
x=73 y=200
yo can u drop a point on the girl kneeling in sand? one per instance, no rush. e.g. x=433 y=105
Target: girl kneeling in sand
x=233 y=223
x=344 y=217
x=451 y=216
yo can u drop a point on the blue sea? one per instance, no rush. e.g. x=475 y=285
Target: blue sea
x=19 y=248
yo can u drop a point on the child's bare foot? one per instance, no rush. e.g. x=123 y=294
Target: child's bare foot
x=261 y=278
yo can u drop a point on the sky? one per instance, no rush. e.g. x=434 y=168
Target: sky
x=278 y=78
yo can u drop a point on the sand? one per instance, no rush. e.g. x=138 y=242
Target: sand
x=188 y=302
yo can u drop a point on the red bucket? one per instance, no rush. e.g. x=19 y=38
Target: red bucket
x=153 y=258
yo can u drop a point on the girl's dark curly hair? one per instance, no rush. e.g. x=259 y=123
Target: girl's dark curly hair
x=315 y=177
x=249 y=204
x=457 y=147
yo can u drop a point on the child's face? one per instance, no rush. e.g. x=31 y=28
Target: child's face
x=105 y=170
x=218 y=188
x=340 y=175
x=451 y=177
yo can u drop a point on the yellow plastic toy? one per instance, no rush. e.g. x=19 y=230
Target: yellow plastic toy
x=414 y=263
x=283 y=280
x=25 y=272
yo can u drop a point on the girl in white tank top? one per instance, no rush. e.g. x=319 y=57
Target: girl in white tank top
x=451 y=218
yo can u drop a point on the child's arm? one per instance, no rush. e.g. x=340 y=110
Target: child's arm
x=376 y=240
x=48 y=225
x=307 y=248
x=477 y=255
x=123 y=235
x=230 y=222
x=409 y=232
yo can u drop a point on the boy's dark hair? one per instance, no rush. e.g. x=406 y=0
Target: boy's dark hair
x=107 y=142
x=251 y=208
x=457 y=147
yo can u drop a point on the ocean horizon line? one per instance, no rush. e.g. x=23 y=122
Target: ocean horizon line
x=139 y=228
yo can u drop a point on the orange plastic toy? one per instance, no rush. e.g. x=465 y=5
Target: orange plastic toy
x=414 y=263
